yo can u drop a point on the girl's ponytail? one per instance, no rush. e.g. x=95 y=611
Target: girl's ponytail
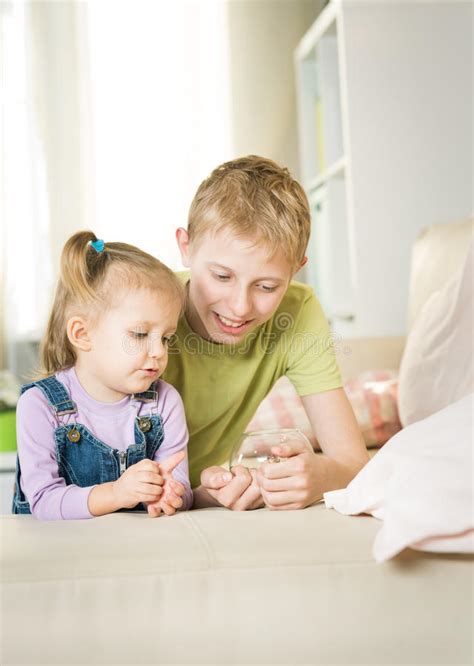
x=56 y=351
x=82 y=266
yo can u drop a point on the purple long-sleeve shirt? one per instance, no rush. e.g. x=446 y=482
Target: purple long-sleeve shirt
x=113 y=423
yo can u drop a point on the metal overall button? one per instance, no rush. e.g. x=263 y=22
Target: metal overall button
x=73 y=435
x=144 y=424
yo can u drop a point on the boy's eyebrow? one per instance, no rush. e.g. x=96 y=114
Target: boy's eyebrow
x=226 y=268
x=142 y=323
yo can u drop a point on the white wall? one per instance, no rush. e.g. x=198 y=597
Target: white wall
x=410 y=122
x=263 y=36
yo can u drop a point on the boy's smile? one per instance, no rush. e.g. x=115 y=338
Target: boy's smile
x=236 y=284
x=232 y=327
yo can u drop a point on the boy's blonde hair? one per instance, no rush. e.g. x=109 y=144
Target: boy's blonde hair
x=253 y=197
x=87 y=284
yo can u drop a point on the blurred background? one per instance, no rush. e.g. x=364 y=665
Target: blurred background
x=113 y=112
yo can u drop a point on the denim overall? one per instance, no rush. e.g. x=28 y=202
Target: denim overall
x=83 y=460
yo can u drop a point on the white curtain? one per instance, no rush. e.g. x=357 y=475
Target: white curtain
x=161 y=113
x=26 y=257
x=112 y=114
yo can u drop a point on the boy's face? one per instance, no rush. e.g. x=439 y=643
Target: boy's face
x=235 y=285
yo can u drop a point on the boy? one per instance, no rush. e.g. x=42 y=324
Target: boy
x=246 y=324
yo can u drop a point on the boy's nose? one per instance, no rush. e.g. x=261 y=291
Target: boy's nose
x=240 y=305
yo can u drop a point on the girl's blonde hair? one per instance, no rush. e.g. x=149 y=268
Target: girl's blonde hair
x=255 y=198
x=87 y=282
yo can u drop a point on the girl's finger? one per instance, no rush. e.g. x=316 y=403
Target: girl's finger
x=149 y=491
x=168 y=509
x=168 y=465
x=153 y=511
x=151 y=477
x=177 y=487
x=171 y=497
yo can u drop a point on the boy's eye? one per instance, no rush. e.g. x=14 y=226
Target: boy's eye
x=221 y=276
x=266 y=287
x=138 y=334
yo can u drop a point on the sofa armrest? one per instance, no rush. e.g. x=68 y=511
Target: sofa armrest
x=356 y=355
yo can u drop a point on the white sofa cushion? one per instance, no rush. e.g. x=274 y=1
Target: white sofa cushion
x=420 y=485
x=437 y=368
x=438 y=253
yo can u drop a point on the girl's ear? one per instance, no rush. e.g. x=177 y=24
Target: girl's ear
x=78 y=334
x=182 y=238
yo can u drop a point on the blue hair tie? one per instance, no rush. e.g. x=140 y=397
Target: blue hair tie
x=98 y=245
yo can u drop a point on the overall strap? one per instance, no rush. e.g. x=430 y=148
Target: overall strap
x=55 y=393
x=151 y=395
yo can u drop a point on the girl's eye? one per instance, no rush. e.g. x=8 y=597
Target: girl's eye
x=267 y=288
x=165 y=340
x=138 y=334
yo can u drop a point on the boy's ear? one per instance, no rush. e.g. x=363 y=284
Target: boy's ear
x=182 y=238
x=78 y=334
x=303 y=263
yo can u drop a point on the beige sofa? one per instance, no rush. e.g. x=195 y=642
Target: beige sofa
x=217 y=587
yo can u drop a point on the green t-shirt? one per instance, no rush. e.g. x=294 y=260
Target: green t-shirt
x=222 y=385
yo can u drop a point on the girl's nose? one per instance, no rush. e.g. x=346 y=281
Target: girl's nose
x=156 y=348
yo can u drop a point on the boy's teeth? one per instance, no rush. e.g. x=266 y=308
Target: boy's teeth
x=227 y=322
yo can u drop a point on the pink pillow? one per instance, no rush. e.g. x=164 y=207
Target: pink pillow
x=373 y=396
x=282 y=408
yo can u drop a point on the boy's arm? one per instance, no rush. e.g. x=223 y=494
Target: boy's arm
x=335 y=426
x=304 y=477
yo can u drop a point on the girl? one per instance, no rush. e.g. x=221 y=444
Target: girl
x=100 y=432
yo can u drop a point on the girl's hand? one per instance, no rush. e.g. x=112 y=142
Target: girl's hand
x=293 y=482
x=173 y=490
x=170 y=501
x=141 y=482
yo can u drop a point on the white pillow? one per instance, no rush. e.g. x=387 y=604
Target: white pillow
x=437 y=367
x=420 y=485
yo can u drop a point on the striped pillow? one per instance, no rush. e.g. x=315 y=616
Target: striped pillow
x=373 y=396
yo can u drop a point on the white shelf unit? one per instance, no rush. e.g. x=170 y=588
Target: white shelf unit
x=385 y=124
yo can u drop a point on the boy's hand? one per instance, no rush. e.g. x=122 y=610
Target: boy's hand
x=293 y=482
x=173 y=490
x=141 y=482
x=237 y=490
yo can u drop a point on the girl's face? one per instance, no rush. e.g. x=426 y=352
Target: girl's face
x=235 y=286
x=128 y=344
